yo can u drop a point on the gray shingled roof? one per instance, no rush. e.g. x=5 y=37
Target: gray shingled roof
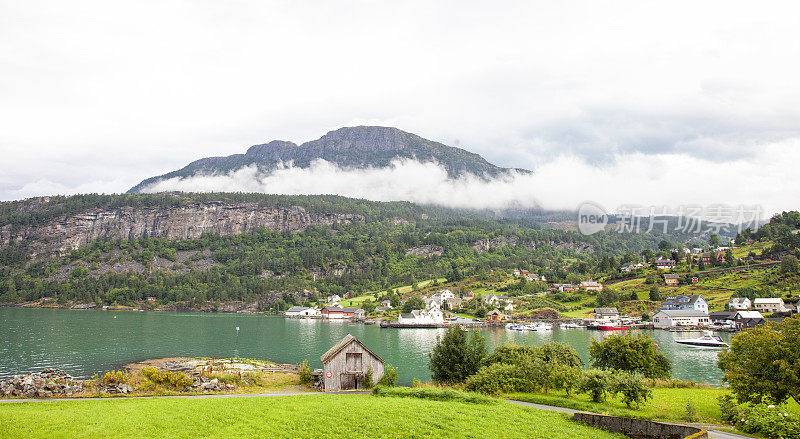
x=343 y=344
x=682 y=313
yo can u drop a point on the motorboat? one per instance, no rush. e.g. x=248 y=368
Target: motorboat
x=707 y=340
x=611 y=325
x=570 y=326
x=541 y=326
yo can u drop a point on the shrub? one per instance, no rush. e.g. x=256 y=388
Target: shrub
x=511 y=354
x=175 y=379
x=728 y=408
x=305 y=373
x=690 y=414
x=767 y=420
x=501 y=378
x=227 y=378
x=434 y=393
x=596 y=383
x=389 y=376
x=113 y=378
x=632 y=387
x=368 y=379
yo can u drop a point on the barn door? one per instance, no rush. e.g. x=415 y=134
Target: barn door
x=353 y=362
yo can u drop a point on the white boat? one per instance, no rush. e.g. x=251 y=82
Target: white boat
x=707 y=340
x=570 y=326
x=541 y=326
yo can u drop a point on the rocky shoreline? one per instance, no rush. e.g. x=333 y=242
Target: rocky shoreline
x=45 y=384
x=178 y=374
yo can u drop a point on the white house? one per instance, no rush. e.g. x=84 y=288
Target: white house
x=509 y=306
x=445 y=294
x=694 y=302
x=490 y=299
x=667 y=318
x=769 y=304
x=739 y=304
x=334 y=299
x=431 y=314
x=301 y=311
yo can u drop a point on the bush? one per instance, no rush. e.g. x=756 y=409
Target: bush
x=368 y=379
x=690 y=414
x=511 y=354
x=113 y=378
x=767 y=420
x=434 y=393
x=389 y=377
x=596 y=383
x=632 y=387
x=728 y=408
x=501 y=378
x=305 y=373
x=177 y=380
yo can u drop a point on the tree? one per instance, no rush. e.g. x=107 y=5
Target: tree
x=635 y=354
x=655 y=295
x=412 y=304
x=457 y=355
x=789 y=265
x=664 y=245
x=713 y=240
x=764 y=362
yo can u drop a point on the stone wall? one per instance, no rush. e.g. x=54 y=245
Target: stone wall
x=639 y=428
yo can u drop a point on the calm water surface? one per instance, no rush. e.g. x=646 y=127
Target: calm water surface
x=84 y=342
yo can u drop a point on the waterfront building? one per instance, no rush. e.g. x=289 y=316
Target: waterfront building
x=346 y=365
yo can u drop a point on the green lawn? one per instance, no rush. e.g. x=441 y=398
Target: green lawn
x=290 y=417
x=667 y=404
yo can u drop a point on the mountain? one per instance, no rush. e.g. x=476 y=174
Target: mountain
x=349 y=147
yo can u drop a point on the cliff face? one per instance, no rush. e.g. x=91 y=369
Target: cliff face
x=184 y=222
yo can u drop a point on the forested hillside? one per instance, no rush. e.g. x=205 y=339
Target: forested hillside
x=384 y=244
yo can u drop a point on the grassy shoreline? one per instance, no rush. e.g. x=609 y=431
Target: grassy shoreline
x=296 y=417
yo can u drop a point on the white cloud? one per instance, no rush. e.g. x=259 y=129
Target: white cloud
x=98 y=91
x=768 y=180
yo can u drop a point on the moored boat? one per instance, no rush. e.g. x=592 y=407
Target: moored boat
x=708 y=340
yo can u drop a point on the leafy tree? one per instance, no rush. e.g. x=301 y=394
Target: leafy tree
x=457 y=355
x=412 y=304
x=789 y=265
x=633 y=388
x=655 y=294
x=713 y=240
x=764 y=362
x=597 y=383
x=635 y=354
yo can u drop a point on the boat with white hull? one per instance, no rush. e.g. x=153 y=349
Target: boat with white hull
x=708 y=340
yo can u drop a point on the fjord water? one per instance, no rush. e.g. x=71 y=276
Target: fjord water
x=84 y=342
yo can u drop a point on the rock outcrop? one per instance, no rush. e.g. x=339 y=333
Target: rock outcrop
x=426 y=251
x=45 y=384
x=188 y=221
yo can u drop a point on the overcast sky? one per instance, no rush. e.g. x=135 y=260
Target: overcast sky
x=653 y=102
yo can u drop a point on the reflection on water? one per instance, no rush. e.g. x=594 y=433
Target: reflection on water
x=87 y=342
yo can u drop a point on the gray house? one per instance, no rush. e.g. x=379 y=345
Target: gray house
x=345 y=366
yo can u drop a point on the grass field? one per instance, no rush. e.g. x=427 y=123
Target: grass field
x=667 y=404
x=326 y=416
